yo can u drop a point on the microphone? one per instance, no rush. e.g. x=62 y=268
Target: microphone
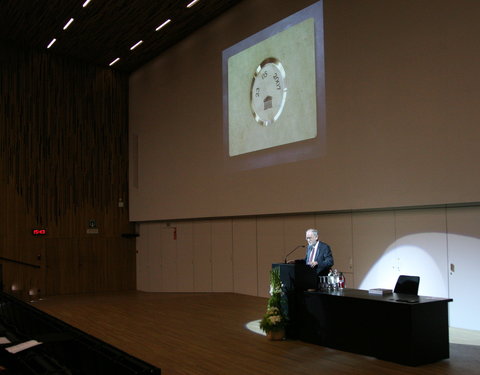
x=286 y=256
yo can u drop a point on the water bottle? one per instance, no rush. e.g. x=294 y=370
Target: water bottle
x=330 y=280
x=336 y=280
x=341 y=280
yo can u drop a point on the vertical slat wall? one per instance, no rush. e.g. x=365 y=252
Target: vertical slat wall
x=63 y=149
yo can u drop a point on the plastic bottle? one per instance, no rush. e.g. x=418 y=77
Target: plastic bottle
x=341 y=281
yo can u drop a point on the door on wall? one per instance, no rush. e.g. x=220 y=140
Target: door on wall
x=464 y=277
x=464 y=267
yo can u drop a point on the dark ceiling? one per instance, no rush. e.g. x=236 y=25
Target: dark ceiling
x=105 y=29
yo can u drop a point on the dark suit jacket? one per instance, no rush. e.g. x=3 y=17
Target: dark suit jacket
x=324 y=258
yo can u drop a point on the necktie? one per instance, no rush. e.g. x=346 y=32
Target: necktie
x=312 y=253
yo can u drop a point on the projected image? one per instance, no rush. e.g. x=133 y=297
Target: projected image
x=272 y=91
x=274 y=94
x=268 y=92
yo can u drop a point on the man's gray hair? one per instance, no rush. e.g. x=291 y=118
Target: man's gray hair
x=314 y=231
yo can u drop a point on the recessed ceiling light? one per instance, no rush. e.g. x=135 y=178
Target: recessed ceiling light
x=51 y=43
x=114 y=61
x=68 y=24
x=86 y=3
x=136 y=44
x=192 y=3
x=163 y=24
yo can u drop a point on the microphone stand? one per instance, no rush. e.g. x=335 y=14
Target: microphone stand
x=286 y=256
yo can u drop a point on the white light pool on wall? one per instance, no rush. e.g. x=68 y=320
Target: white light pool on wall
x=448 y=267
x=410 y=255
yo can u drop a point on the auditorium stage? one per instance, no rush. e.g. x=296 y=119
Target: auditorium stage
x=206 y=334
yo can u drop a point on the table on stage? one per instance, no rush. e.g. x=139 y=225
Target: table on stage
x=411 y=330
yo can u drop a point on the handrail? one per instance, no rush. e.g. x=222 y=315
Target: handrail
x=20 y=262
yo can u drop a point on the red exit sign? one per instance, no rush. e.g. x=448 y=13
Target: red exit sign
x=39 y=232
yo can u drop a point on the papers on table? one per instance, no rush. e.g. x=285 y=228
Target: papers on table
x=22 y=346
x=380 y=291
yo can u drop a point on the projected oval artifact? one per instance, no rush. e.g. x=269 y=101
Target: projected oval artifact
x=268 y=92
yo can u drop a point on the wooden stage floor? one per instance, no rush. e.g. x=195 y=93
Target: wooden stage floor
x=206 y=334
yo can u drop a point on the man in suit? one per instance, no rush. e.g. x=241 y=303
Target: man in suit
x=319 y=255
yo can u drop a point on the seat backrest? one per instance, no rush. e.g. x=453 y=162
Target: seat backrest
x=407 y=284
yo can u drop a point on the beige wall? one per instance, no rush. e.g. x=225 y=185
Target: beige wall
x=402 y=87
x=236 y=254
x=371 y=248
x=402 y=84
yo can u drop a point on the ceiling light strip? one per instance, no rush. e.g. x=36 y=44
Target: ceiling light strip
x=86 y=3
x=114 y=61
x=163 y=24
x=51 y=43
x=68 y=24
x=136 y=45
x=191 y=4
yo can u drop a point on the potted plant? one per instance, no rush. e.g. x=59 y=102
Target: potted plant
x=273 y=322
